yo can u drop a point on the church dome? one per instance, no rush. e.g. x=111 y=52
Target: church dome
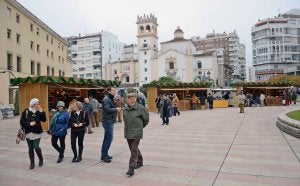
x=178 y=33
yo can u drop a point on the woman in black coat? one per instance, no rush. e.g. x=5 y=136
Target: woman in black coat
x=31 y=121
x=78 y=121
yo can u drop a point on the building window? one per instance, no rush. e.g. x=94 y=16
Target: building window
x=51 y=41
x=32 y=68
x=53 y=71
x=48 y=70
x=38 y=48
x=146 y=79
x=62 y=47
x=31 y=45
x=58 y=45
x=17 y=18
x=145 y=45
x=47 y=37
x=145 y=60
x=8 y=33
x=9 y=61
x=63 y=73
x=62 y=60
x=171 y=65
x=18 y=38
x=127 y=79
x=8 y=12
x=47 y=53
x=115 y=72
x=145 y=69
x=31 y=27
x=145 y=52
x=199 y=64
x=37 y=31
x=59 y=73
x=52 y=55
x=59 y=58
x=19 y=64
x=38 y=69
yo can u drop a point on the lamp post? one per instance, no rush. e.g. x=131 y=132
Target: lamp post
x=9 y=87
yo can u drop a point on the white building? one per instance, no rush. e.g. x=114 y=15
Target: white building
x=275 y=45
x=92 y=52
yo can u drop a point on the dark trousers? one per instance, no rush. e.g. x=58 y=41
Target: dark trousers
x=33 y=144
x=175 y=111
x=136 y=156
x=165 y=117
x=80 y=135
x=95 y=119
x=62 y=147
x=107 y=140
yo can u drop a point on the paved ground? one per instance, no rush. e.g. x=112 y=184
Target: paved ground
x=211 y=147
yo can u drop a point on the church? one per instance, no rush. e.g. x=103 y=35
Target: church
x=177 y=58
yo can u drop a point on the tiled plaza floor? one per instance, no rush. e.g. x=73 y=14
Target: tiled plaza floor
x=210 y=147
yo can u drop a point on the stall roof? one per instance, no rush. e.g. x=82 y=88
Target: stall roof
x=267 y=87
x=224 y=89
x=181 y=89
x=63 y=80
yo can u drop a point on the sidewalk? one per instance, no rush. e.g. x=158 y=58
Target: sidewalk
x=210 y=147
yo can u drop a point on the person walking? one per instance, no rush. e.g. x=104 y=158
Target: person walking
x=31 y=119
x=135 y=118
x=119 y=101
x=78 y=121
x=157 y=101
x=108 y=120
x=210 y=100
x=165 y=111
x=95 y=105
x=175 y=102
x=242 y=99
x=58 y=129
x=87 y=107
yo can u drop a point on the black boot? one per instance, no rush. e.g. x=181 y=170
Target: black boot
x=130 y=171
x=75 y=154
x=61 y=155
x=39 y=154
x=31 y=157
x=79 y=154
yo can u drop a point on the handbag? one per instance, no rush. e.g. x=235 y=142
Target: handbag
x=21 y=132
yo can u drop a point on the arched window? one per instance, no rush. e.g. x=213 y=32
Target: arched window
x=199 y=64
x=141 y=29
x=148 y=28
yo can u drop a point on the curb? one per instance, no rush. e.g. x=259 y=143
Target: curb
x=288 y=125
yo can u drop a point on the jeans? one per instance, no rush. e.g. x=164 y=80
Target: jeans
x=107 y=140
x=74 y=135
x=175 y=111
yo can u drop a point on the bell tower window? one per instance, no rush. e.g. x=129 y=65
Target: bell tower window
x=148 y=29
x=141 y=29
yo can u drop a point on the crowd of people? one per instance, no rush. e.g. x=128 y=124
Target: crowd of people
x=80 y=117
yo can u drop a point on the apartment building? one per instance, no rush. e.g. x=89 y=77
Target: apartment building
x=90 y=54
x=28 y=48
x=230 y=55
x=276 y=45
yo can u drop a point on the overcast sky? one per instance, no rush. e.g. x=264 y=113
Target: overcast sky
x=195 y=17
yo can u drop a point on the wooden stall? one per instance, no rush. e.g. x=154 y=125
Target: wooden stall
x=49 y=90
x=273 y=92
x=184 y=91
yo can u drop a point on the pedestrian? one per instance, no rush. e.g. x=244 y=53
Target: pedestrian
x=58 y=129
x=194 y=101
x=108 y=120
x=210 y=101
x=242 y=99
x=87 y=107
x=95 y=105
x=135 y=119
x=165 y=109
x=202 y=101
x=157 y=101
x=78 y=121
x=175 y=102
x=31 y=121
x=119 y=101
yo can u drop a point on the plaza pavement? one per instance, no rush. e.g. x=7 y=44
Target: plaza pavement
x=210 y=147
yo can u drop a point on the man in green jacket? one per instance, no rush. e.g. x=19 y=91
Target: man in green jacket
x=135 y=118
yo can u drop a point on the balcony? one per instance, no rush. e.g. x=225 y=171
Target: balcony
x=271 y=71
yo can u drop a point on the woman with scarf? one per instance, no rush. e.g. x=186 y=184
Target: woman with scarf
x=31 y=121
x=59 y=126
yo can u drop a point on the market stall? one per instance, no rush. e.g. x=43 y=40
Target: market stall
x=51 y=89
x=273 y=91
x=184 y=91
